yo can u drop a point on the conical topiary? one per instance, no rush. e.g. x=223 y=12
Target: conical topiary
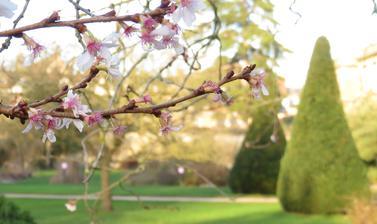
x=321 y=169
x=257 y=164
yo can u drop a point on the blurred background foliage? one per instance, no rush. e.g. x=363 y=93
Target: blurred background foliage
x=235 y=29
x=235 y=34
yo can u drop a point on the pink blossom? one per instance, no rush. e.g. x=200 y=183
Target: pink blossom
x=93 y=46
x=148 y=39
x=119 y=130
x=96 y=50
x=34 y=47
x=211 y=86
x=51 y=123
x=168 y=38
x=220 y=95
x=148 y=23
x=166 y=126
x=94 y=118
x=39 y=120
x=128 y=30
x=6 y=8
x=186 y=11
x=144 y=99
x=223 y=97
x=35 y=120
x=256 y=81
x=72 y=102
x=170 y=42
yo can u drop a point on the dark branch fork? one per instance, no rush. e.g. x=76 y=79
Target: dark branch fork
x=20 y=110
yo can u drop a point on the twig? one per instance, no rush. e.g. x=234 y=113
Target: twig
x=129 y=108
x=374 y=7
x=77 y=33
x=6 y=43
x=78 y=7
x=74 y=23
x=294 y=11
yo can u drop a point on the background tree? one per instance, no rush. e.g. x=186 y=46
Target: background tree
x=254 y=39
x=361 y=118
x=32 y=82
x=320 y=169
x=256 y=167
x=145 y=72
x=364 y=127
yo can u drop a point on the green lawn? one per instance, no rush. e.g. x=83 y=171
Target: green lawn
x=53 y=212
x=39 y=183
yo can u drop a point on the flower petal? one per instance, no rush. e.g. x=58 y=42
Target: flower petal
x=28 y=128
x=264 y=90
x=51 y=136
x=189 y=17
x=78 y=124
x=85 y=61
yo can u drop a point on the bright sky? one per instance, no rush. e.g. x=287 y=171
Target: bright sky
x=348 y=25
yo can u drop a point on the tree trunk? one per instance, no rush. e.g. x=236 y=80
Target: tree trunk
x=105 y=181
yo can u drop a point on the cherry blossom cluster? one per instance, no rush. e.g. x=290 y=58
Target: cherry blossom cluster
x=39 y=120
x=256 y=82
x=82 y=114
x=158 y=30
x=154 y=33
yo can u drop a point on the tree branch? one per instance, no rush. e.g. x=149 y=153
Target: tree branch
x=158 y=12
x=130 y=108
x=6 y=43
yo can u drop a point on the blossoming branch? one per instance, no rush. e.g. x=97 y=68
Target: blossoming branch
x=158 y=29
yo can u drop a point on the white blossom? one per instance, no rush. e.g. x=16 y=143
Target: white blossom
x=96 y=49
x=72 y=102
x=35 y=120
x=113 y=66
x=257 y=83
x=50 y=135
x=186 y=11
x=79 y=124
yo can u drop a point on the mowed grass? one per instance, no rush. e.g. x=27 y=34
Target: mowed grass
x=53 y=212
x=39 y=183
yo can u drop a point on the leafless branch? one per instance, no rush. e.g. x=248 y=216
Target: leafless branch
x=294 y=11
x=6 y=43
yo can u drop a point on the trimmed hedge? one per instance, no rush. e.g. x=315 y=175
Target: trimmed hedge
x=257 y=164
x=12 y=214
x=321 y=169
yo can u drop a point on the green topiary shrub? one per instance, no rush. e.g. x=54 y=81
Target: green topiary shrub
x=321 y=169
x=257 y=164
x=11 y=214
